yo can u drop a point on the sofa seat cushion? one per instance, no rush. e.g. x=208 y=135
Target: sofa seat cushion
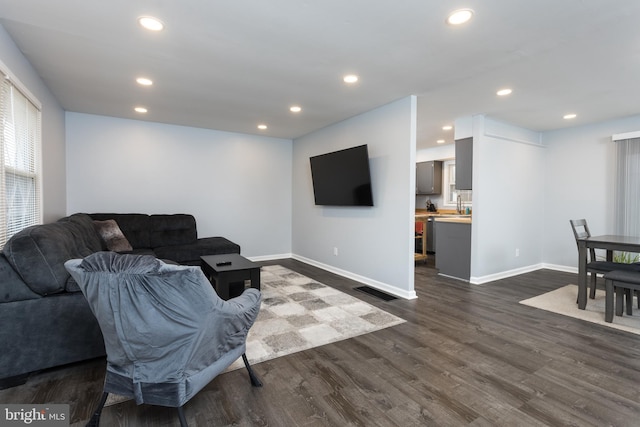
x=12 y=287
x=71 y=285
x=142 y=251
x=46 y=332
x=191 y=253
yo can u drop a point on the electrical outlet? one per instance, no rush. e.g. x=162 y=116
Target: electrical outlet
x=335 y=251
x=517 y=251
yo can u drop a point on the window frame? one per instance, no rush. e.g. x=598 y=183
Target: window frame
x=20 y=156
x=448 y=187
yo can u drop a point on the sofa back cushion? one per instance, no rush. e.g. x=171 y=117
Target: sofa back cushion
x=38 y=253
x=135 y=227
x=85 y=231
x=169 y=230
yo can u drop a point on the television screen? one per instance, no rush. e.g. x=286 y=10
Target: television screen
x=342 y=178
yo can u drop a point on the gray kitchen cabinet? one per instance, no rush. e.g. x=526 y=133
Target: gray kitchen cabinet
x=429 y=177
x=464 y=163
x=453 y=249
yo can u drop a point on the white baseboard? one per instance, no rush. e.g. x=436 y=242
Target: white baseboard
x=269 y=257
x=563 y=268
x=384 y=287
x=504 y=274
x=455 y=278
x=510 y=273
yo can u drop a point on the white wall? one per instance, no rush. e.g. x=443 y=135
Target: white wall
x=237 y=186
x=528 y=185
x=440 y=152
x=580 y=183
x=375 y=244
x=53 y=148
x=508 y=200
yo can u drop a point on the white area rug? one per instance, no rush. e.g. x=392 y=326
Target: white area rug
x=298 y=313
x=563 y=301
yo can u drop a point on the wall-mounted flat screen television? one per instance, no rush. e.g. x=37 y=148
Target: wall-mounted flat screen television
x=342 y=178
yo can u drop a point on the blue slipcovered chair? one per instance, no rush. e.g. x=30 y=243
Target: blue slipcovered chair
x=166 y=332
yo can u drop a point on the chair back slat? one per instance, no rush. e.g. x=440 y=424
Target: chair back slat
x=581 y=231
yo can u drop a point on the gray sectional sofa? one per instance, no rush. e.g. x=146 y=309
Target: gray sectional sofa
x=46 y=319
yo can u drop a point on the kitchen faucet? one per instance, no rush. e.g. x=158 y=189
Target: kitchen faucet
x=459 y=204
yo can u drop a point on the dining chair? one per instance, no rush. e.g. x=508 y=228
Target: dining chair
x=594 y=267
x=581 y=231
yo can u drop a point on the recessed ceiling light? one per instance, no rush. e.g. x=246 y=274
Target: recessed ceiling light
x=350 y=78
x=460 y=16
x=504 y=92
x=569 y=116
x=295 y=109
x=151 y=23
x=140 y=110
x=440 y=141
x=144 y=81
x=447 y=127
x=262 y=127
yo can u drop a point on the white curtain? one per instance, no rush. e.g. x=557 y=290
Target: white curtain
x=627 y=201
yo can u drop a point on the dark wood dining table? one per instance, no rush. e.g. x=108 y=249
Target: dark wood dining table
x=609 y=242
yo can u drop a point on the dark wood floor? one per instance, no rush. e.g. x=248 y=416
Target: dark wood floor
x=468 y=355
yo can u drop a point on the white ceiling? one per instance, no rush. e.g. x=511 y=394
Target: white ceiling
x=232 y=64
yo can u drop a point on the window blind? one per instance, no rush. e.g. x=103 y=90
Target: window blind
x=20 y=180
x=627 y=197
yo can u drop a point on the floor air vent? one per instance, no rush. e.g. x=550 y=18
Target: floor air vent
x=375 y=293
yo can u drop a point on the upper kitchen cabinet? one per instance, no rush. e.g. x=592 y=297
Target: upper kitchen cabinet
x=429 y=177
x=464 y=163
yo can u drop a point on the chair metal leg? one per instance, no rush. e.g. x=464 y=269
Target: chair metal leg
x=183 y=420
x=95 y=418
x=255 y=381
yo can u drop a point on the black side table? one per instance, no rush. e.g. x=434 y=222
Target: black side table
x=230 y=270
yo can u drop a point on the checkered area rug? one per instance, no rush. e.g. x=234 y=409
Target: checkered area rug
x=299 y=313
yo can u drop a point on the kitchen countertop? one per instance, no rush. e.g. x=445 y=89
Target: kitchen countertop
x=443 y=216
x=466 y=219
x=437 y=213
